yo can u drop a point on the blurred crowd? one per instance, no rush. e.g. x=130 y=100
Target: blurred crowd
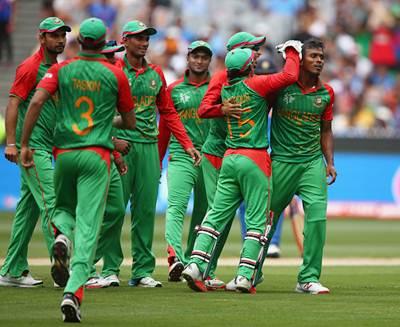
x=362 y=39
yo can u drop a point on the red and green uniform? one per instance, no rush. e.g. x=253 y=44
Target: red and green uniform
x=298 y=165
x=37 y=190
x=245 y=173
x=141 y=182
x=183 y=176
x=89 y=91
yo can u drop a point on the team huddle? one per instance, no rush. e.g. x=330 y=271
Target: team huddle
x=97 y=116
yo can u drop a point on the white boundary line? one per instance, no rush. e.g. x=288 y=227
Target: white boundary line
x=283 y=262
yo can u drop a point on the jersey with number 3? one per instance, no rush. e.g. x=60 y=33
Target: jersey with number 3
x=90 y=89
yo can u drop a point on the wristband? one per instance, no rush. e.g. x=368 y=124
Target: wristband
x=11 y=144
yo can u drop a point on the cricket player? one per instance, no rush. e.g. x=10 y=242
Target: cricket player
x=37 y=190
x=109 y=244
x=90 y=89
x=246 y=167
x=183 y=176
x=302 y=157
x=214 y=147
x=140 y=183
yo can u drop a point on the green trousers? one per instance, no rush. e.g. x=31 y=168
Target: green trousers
x=37 y=199
x=81 y=181
x=211 y=175
x=183 y=177
x=308 y=181
x=240 y=179
x=140 y=186
x=109 y=243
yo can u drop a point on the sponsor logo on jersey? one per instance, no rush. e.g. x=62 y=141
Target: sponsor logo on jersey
x=184 y=97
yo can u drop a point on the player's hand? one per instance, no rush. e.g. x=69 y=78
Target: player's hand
x=295 y=44
x=231 y=109
x=196 y=156
x=11 y=153
x=27 y=157
x=121 y=146
x=121 y=165
x=331 y=174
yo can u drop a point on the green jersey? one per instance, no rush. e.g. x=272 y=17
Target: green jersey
x=148 y=89
x=90 y=89
x=28 y=75
x=250 y=130
x=296 y=121
x=187 y=97
x=215 y=142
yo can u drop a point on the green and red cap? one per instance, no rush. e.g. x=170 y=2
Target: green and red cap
x=137 y=27
x=197 y=45
x=244 y=40
x=52 y=24
x=92 y=30
x=112 y=46
x=239 y=59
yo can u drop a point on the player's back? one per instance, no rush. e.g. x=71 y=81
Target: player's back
x=248 y=131
x=88 y=88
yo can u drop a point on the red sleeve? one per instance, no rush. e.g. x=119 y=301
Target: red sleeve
x=167 y=110
x=163 y=138
x=25 y=79
x=328 y=112
x=49 y=82
x=266 y=84
x=210 y=106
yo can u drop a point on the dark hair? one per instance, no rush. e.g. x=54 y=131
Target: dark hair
x=312 y=43
x=234 y=73
x=88 y=44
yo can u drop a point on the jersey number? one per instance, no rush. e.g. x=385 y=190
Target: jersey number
x=241 y=122
x=86 y=115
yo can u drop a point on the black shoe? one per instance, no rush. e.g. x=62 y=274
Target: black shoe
x=60 y=268
x=70 y=308
x=175 y=272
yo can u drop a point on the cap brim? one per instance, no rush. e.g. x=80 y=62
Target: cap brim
x=115 y=48
x=146 y=31
x=201 y=47
x=65 y=27
x=260 y=40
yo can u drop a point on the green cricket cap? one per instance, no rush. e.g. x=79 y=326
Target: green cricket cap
x=52 y=24
x=244 y=40
x=197 y=45
x=136 y=27
x=112 y=46
x=239 y=59
x=92 y=30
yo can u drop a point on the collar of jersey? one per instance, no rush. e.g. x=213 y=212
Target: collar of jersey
x=44 y=57
x=130 y=67
x=91 y=56
x=310 y=89
x=186 y=79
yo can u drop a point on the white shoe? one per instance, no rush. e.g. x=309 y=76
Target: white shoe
x=311 y=288
x=194 y=278
x=61 y=255
x=243 y=285
x=23 y=281
x=231 y=286
x=149 y=282
x=70 y=308
x=214 y=284
x=273 y=251
x=111 y=280
x=94 y=282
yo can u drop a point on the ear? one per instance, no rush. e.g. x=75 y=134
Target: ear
x=42 y=38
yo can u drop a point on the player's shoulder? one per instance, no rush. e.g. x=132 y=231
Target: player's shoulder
x=328 y=88
x=176 y=83
x=30 y=65
x=157 y=69
x=221 y=75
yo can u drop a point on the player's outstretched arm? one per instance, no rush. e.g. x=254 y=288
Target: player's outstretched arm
x=11 y=151
x=32 y=115
x=327 y=150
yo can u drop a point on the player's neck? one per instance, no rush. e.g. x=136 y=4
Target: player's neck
x=51 y=57
x=308 y=80
x=197 y=78
x=135 y=62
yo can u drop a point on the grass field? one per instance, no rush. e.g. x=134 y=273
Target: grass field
x=360 y=296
